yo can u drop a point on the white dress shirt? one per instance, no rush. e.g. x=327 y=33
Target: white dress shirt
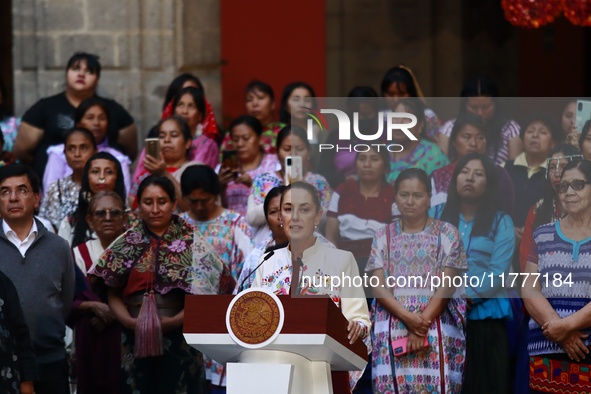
x=25 y=244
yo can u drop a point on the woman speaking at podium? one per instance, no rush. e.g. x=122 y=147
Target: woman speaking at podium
x=315 y=264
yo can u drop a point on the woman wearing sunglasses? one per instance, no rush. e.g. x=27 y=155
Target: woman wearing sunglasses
x=556 y=292
x=97 y=336
x=548 y=209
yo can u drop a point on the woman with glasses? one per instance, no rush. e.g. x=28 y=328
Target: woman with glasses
x=548 y=209
x=97 y=337
x=149 y=270
x=557 y=290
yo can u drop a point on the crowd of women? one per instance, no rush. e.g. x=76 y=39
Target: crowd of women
x=480 y=194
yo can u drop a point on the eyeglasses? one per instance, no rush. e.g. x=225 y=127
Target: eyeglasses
x=577 y=185
x=556 y=164
x=21 y=192
x=102 y=213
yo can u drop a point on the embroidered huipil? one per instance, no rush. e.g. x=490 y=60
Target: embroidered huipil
x=559 y=260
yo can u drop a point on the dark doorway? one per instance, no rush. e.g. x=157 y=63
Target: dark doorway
x=6 y=75
x=554 y=60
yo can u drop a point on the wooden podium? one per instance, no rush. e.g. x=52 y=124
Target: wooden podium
x=312 y=342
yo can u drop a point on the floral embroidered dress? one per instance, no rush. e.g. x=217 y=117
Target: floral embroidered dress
x=268 y=138
x=262 y=184
x=60 y=200
x=564 y=265
x=236 y=194
x=174 y=260
x=229 y=235
x=439 y=368
x=254 y=258
x=426 y=156
x=177 y=261
x=9 y=128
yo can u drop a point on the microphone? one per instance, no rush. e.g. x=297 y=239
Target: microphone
x=296 y=276
x=267 y=257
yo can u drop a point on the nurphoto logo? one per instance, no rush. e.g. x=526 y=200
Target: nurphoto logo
x=390 y=121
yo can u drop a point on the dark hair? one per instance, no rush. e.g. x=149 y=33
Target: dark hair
x=384 y=155
x=5 y=111
x=180 y=121
x=284 y=115
x=200 y=177
x=177 y=85
x=414 y=173
x=307 y=187
x=462 y=121
x=249 y=121
x=87 y=104
x=584 y=133
x=104 y=193
x=289 y=130
x=399 y=75
x=82 y=131
x=198 y=97
x=277 y=191
x=14 y=170
x=415 y=106
x=78 y=219
x=92 y=62
x=557 y=135
x=363 y=95
x=96 y=101
x=154 y=131
x=157 y=180
x=489 y=202
x=261 y=86
x=545 y=212
x=582 y=165
x=362 y=92
x=485 y=87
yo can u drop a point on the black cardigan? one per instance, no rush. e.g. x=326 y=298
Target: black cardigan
x=14 y=340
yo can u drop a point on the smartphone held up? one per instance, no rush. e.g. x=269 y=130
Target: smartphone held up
x=294 y=170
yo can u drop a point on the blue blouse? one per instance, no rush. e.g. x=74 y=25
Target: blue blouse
x=489 y=257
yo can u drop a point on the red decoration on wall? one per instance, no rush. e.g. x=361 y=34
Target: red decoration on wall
x=578 y=12
x=533 y=13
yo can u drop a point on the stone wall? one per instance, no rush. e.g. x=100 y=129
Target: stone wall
x=142 y=44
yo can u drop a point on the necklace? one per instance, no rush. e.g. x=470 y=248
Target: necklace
x=424 y=225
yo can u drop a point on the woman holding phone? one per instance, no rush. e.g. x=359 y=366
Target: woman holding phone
x=174 y=137
x=239 y=167
x=292 y=144
x=418 y=332
x=189 y=104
